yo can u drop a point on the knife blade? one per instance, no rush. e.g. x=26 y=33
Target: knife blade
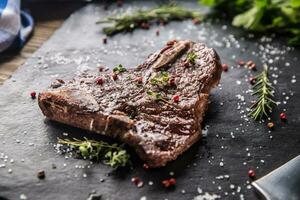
x=281 y=184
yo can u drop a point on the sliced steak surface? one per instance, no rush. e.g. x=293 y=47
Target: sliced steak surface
x=156 y=107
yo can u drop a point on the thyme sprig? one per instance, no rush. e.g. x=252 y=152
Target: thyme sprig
x=113 y=155
x=265 y=92
x=157 y=96
x=129 y=22
x=191 y=57
x=160 y=79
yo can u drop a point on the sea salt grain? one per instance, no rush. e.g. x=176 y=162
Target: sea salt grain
x=23 y=197
x=199 y=190
x=287 y=64
x=150 y=183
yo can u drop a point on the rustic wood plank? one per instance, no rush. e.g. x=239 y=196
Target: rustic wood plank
x=48 y=17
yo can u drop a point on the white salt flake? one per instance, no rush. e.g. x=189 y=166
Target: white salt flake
x=207 y=196
x=23 y=197
x=143 y=198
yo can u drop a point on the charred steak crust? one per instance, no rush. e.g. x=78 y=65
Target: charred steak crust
x=132 y=107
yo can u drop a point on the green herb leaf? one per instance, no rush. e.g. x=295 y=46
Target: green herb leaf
x=157 y=96
x=251 y=19
x=191 y=57
x=112 y=154
x=119 y=69
x=276 y=16
x=160 y=79
x=210 y=2
x=116 y=159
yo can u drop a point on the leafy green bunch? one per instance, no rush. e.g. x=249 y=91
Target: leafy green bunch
x=280 y=16
x=113 y=155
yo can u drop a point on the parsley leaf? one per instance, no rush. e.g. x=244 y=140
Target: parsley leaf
x=119 y=69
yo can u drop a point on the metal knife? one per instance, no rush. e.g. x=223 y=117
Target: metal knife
x=281 y=184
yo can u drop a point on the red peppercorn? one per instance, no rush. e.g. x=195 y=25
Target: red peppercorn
x=172 y=181
x=250 y=62
x=169 y=182
x=252 y=67
x=33 y=95
x=104 y=40
x=135 y=180
x=225 y=67
x=283 y=116
x=99 y=81
x=176 y=98
x=252 y=80
x=172 y=82
x=145 y=25
x=114 y=76
x=157 y=32
x=166 y=183
x=251 y=173
x=196 y=21
x=101 y=68
x=145 y=166
x=241 y=62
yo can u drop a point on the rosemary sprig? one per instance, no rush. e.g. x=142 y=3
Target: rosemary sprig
x=129 y=22
x=265 y=92
x=113 y=155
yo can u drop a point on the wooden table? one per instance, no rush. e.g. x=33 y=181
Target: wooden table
x=48 y=17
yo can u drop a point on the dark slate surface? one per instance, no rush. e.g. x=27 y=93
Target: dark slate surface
x=27 y=138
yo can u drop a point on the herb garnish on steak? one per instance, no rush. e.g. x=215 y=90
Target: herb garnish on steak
x=156 y=107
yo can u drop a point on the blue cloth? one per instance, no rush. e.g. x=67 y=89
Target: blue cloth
x=15 y=25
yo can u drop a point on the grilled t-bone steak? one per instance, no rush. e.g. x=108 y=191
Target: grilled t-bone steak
x=156 y=107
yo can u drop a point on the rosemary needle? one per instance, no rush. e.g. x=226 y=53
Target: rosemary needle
x=129 y=22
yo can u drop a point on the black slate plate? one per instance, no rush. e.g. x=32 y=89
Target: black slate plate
x=27 y=139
